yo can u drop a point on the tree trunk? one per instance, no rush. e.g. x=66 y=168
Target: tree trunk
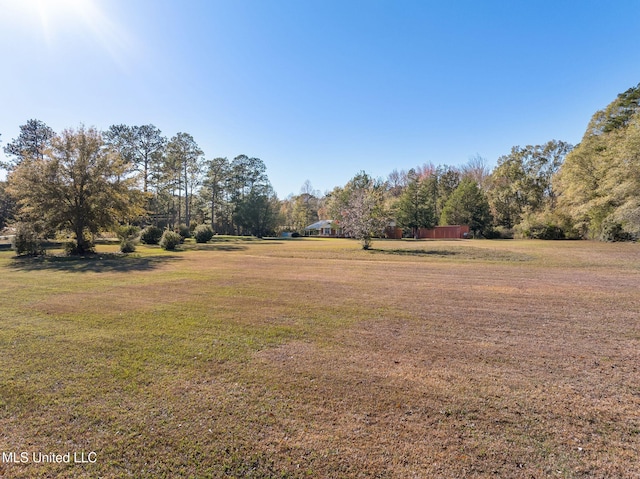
x=82 y=246
x=186 y=196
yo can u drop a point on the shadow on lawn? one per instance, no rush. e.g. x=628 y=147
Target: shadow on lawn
x=226 y=245
x=417 y=252
x=214 y=247
x=97 y=263
x=467 y=253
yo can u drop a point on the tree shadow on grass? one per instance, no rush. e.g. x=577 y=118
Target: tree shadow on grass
x=226 y=245
x=252 y=241
x=96 y=263
x=467 y=253
x=214 y=247
x=417 y=252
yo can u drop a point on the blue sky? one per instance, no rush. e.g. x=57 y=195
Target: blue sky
x=321 y=89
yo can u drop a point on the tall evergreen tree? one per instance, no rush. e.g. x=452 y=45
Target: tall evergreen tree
x=35 y=137
x=468 y=205
x=184 y=158
x=217 y=174
x=257 y=212
x=141 y=146
x=416 y=207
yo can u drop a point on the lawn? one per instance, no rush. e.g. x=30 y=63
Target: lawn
x=313 y=358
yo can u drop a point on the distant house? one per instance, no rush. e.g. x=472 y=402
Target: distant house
x=328 y=228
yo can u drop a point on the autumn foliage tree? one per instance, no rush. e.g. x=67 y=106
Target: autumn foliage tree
x=522 y=182
x=360 y=209
x=600 y=179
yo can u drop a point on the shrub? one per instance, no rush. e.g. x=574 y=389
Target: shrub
x=169 y=240
x=499 y=232
x=184 y=231
x=26 y=241
x=203 y=233
x=72 y=249
x=545 y=231
x=127 y=235
x=127 y=232
x=151 y=235
x=127 y=246
x=546 y=226
x=613 y=231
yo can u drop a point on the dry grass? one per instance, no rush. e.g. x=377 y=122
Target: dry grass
x=313 y=358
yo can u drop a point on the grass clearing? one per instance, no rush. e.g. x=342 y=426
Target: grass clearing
x=314 y=358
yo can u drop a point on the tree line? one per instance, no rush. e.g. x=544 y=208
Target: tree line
x=548 y=191
x=84 y=181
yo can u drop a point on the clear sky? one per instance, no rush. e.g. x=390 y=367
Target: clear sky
x=321 y=89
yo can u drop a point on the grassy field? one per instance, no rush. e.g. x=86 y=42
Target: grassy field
x=313 y=358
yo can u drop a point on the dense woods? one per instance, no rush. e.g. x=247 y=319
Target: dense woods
x=600 y=179
x=81 y=182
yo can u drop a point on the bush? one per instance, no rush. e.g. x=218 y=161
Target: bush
x=26 y=241
x=127 y=246
x=151 y=235
x=546 y=231
x=169 y=240
x=72 y=249
x=613 y=231
x=127 y=232
x=203 y=233
x=127 y=235
x=184 y=231
x=499 y=232
x=546 y=226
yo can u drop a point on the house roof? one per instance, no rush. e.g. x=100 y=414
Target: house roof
x=319 y=225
